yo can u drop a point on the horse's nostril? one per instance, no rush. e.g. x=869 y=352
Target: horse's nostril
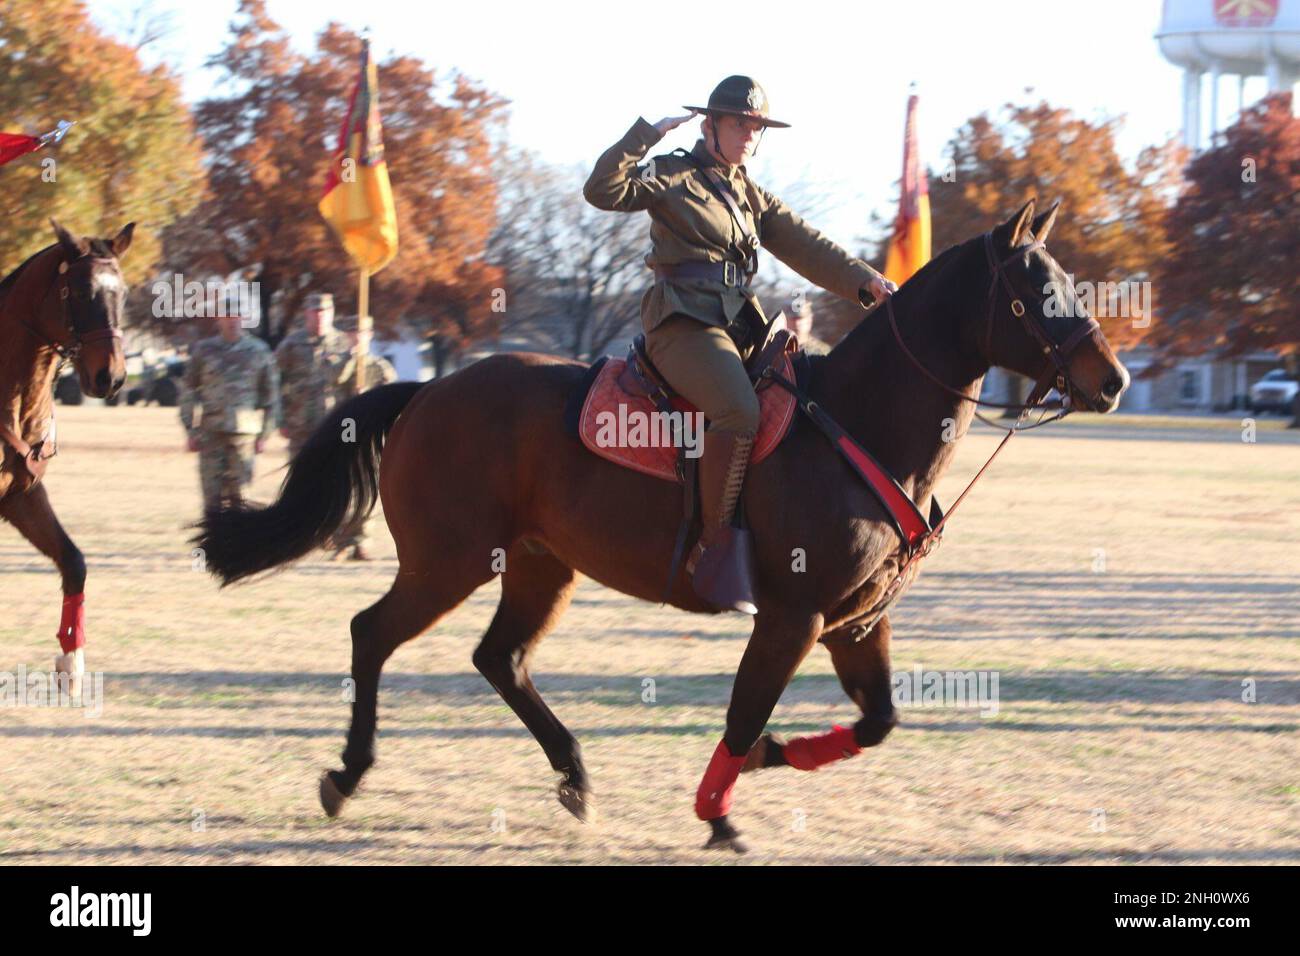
x=103 y=380
x=1112 y=386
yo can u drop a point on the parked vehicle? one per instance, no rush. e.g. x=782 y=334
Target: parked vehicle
x=161 y=383
x=156 y=381
x=1275 y=392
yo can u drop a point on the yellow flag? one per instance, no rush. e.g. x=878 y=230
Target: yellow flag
x=358 y=199
x=909 y=248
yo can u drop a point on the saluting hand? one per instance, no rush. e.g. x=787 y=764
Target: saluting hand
x=672 y=122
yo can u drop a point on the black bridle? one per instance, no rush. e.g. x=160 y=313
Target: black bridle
x=37 y=454
x=1057 y=374
x=69 y=350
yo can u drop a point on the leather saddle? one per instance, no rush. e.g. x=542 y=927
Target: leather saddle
x=626 y=390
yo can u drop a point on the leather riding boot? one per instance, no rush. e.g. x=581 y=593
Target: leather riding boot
x=722 y=564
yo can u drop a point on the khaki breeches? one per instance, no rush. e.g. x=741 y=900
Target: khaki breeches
x=701 y=362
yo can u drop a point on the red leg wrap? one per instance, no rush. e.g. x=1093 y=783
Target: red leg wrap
x=72 y=627
x=809 y=753
x=713 y=799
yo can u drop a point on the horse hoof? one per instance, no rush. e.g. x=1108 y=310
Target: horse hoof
x=578 y=802
x=74 y=665
x=725 y=837
x=331 y=797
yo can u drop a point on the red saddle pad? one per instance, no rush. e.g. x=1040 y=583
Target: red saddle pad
x=641 y=441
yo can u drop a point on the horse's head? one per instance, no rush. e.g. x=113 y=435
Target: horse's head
x=1025 y=335
x=90 y=297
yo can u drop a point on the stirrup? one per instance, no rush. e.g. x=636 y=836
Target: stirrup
x=723 y=573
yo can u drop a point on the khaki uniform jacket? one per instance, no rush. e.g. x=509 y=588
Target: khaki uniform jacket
x=235 y=384
x=689 y=222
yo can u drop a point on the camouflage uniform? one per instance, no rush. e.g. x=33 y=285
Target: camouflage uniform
x=379 y=371
x=237 y=388
x=309 y=371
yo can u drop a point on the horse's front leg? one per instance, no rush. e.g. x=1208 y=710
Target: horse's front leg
x=777 y=646
x=31 y=514
x=863 y=670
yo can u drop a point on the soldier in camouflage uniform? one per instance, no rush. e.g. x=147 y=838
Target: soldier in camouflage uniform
x=231 y=377
x=310 y=360
x=378 y=371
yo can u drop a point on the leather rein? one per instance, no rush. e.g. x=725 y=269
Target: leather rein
x=919 y=536
x=1057 y=375
x=35 y=456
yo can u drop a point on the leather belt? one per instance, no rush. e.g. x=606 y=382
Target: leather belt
x=728 y=272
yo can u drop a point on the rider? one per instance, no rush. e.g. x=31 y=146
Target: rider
x=700 y=317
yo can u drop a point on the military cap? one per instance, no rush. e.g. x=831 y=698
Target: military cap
x=739 y=96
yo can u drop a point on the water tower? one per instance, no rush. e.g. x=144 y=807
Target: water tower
x=1237 y=37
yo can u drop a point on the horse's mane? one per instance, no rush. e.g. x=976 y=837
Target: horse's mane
x=11 y=279
x=875 y=332
x=934 y=266
x=98 y=247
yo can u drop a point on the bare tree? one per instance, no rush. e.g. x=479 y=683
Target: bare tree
x=575 y=274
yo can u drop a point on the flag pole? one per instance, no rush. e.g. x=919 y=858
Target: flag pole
x=363 y=328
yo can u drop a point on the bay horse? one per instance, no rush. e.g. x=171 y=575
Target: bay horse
x=479 y=461
x=63 y=304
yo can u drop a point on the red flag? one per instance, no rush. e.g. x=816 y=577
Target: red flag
x=13 y=145
x=909 y=249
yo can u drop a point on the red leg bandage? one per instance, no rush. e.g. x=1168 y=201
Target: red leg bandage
x=72 y=627
x=809 y=753
x=713 y=799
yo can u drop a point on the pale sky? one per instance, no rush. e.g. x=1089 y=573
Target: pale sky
x=578 y=74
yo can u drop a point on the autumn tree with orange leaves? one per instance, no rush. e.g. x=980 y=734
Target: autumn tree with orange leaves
x=1111 y=224
x=131 y=156
x=1231 y=281
x=269 y=142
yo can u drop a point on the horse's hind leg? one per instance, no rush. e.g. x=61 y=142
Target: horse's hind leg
x=863 y=670
x=410 y=607
x=535 y=591
x=33 y=516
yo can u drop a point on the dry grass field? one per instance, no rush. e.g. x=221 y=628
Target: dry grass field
x=1127 y=579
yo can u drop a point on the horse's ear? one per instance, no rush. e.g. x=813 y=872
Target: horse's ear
x=1017 y=227
x=122 y=241
x=1043 y=223
x=73 y=248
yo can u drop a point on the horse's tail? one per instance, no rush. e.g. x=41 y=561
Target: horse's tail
x=334 y=479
